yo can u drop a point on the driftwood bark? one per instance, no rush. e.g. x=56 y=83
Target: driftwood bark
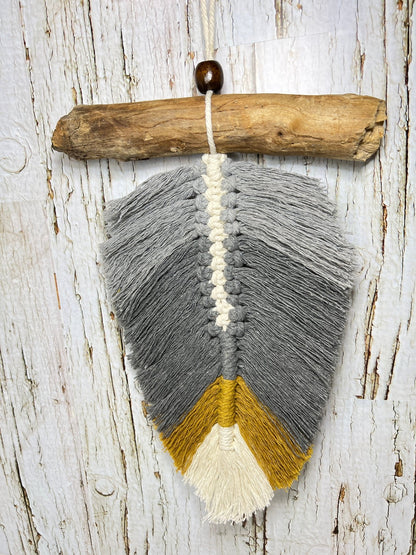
x=346 y=127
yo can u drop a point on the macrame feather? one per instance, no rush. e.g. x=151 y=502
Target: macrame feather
x=232 y=284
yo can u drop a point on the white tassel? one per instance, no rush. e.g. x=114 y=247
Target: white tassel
x=230 y=481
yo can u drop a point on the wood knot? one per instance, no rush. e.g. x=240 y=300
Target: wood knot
x=13 y=157
x=394 y=493
x=104 y=486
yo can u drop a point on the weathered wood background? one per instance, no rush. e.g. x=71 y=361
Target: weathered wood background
x=82 y=471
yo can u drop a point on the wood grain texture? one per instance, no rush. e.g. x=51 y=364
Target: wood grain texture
x=82 y=470
x=346 y=127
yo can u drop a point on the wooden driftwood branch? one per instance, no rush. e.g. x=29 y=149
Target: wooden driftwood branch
x=347 y=127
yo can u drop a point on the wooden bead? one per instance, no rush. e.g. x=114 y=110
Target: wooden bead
x=209 y=76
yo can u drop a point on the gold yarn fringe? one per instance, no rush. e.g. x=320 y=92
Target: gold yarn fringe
x=185 y=439
x=226 y=402
x=276 y=451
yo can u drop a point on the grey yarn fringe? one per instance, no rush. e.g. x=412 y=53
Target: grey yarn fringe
x=289 y=277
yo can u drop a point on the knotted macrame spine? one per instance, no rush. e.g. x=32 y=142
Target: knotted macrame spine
x=224 y=471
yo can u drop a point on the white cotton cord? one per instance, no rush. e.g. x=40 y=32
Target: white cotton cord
x=211 y=27
x=208 y=26
x=208 y=123
x=214 y=195
x=205 y=26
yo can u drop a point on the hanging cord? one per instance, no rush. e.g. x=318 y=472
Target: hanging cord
x=208 y=123
x=208 y=28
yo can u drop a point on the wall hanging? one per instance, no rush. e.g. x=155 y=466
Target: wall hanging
x=231 y=281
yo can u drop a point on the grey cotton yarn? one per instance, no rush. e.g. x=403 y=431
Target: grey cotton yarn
x=289 y=278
